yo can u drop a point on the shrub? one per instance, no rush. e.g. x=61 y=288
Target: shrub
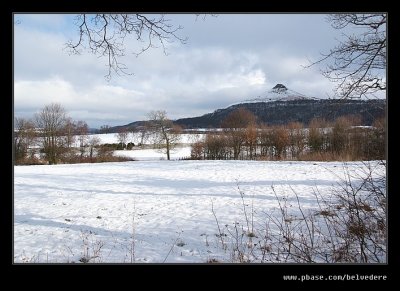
x=197 y=151
x=349 y=226
x=130 y=145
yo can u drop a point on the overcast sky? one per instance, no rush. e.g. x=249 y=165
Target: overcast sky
x=229 y=58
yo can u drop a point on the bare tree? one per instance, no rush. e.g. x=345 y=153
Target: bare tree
x=316 y=135
x=51 y=121
x=69 y=132
x=197 y=150
x=139 y=134
x=234 y=125
x=280 y=141
x=93 y=142
x=216 y=147
x=296 y=139
x=143 y=134
x=340 y=135
x=122 y=137
x=132 y=131
x=166 y=134
x=376 y=144
x=265 y=140
x=24 y=137
x=105 y=128
x=82 y=130
x=358 y=64
x=251 y=135
x=105 y=35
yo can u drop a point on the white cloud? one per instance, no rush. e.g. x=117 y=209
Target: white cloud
x=36 y=94
x=104 y=101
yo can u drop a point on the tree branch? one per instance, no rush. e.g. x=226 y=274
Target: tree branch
x=358 y=64
x=104 y=35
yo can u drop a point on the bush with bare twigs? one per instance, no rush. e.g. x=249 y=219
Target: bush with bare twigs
x=348 y=226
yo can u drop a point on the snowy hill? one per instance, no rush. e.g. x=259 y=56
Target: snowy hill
x=300 y=110
x=281 y=105
x=280 y=93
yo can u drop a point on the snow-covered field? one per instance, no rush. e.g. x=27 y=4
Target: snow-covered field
x=153 y=211
x=151 y=154
x=185 y=138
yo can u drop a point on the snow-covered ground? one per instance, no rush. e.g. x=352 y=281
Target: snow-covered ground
x=185 y=138
x=153 y=211
x=151 y=154
x=180 y=152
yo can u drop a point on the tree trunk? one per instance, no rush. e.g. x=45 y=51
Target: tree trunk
x=168 y=157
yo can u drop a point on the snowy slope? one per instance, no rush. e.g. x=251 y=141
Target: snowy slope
x=155 y=211
x=152 y=154
x=185 y=138
x=279 y=93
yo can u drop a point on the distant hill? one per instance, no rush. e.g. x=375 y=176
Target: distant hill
x=280 y=93
x=281 y=105
x=115 y=129
x=283 y=112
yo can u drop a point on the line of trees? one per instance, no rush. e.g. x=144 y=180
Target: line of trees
x=62 y=140
x=243 y=138
x=52 y=137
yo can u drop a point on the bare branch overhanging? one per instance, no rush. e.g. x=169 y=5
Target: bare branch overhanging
x=104 y=35
x=358 y=63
